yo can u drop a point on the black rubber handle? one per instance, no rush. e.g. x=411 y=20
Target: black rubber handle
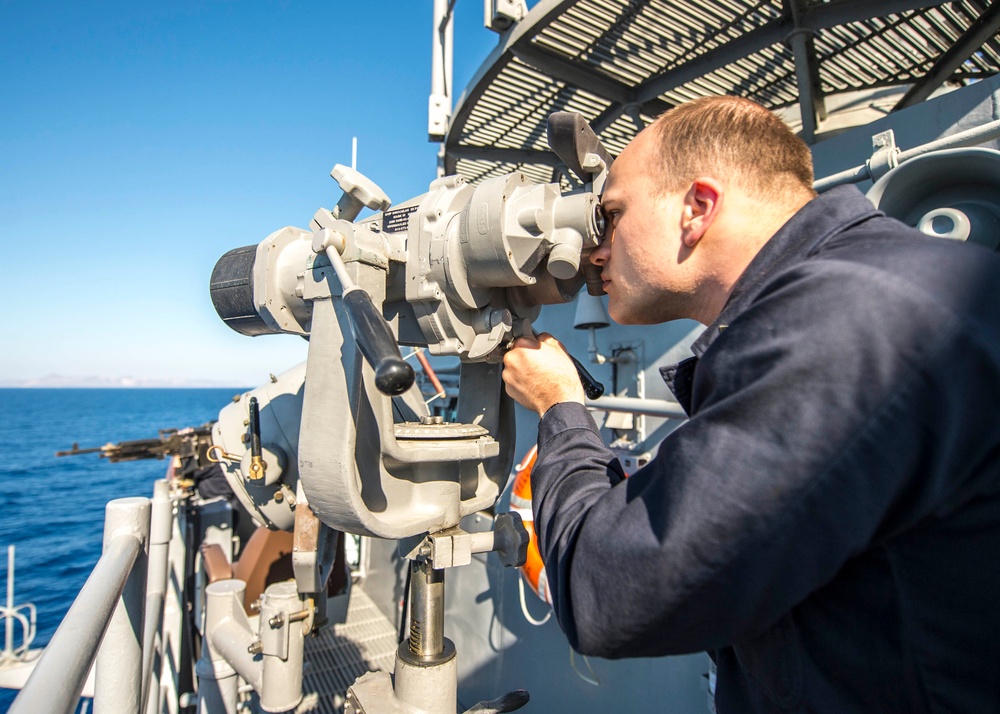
x=393 y=375
x=254 y=428
x=591 y=387
x=509 y=702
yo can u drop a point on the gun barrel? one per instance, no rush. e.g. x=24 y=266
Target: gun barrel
x=77 y=450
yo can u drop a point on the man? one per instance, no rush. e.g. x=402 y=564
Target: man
x=827 y=523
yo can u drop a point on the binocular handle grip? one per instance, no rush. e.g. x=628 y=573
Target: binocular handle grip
x=591 y=387
x=393 y=375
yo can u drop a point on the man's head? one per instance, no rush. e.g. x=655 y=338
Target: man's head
x=691 y=201
x=734 y=138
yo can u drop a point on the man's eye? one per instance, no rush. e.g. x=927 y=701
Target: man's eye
x=610 y=216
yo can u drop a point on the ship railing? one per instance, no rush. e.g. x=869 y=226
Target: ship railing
x=24 y=614
x=113 y=621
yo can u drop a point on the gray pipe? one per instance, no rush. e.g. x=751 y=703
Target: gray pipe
x=634 y=405
x=217 y=680
x=970 y=137
x=232 y=640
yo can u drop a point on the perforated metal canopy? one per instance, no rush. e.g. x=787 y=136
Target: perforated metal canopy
x=622 y=62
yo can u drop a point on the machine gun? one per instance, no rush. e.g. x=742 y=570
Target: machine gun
x=185 y=443
x=343 y=443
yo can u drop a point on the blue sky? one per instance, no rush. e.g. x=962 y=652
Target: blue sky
x=140 y=141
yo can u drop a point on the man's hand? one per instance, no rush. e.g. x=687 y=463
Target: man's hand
x=539 y=373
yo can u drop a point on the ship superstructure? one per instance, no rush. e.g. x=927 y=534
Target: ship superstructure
x=339 y=522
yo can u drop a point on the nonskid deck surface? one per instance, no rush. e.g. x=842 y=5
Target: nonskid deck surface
x=342 y=653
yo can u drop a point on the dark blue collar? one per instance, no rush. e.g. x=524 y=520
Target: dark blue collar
x=814 y=224
x=803 y=234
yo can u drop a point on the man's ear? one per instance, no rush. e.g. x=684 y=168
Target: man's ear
x=702 y=204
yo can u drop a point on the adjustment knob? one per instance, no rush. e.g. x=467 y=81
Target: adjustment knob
x=510 y=539
x=564 y=261
x=359 y=192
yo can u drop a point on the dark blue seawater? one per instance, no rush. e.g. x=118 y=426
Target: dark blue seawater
x=52 y=509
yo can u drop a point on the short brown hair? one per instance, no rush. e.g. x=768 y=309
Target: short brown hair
x=735 y=138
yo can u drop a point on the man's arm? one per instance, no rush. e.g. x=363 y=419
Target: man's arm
x=808 y=428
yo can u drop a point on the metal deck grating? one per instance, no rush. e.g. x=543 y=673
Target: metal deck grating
x=342 y=653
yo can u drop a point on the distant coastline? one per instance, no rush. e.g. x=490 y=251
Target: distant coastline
x=58 y=381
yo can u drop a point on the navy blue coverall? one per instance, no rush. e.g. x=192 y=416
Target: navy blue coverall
x=827 y=522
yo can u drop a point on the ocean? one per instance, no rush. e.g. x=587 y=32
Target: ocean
x=52 y=508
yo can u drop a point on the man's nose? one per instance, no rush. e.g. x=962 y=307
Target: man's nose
x=599 y=256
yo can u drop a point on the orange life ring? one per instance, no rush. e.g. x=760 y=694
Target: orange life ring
x=533 y=569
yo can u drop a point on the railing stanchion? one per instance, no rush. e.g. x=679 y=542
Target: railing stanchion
x=8 y=650
x=160 y=530
x=118 y=685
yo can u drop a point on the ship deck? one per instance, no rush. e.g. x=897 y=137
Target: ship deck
x=342 y=653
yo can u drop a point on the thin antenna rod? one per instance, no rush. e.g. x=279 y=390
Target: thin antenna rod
x=354 y=153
